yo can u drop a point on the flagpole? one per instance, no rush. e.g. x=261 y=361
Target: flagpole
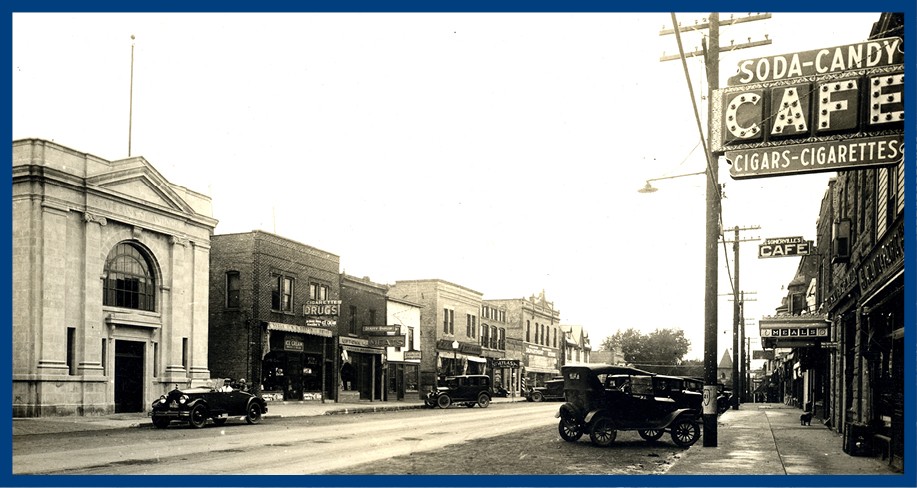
x=130 y=113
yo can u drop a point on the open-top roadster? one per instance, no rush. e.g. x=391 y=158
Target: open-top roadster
x=196 y=405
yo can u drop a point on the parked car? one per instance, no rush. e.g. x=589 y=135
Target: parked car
x=196 y=405
x=468 y=390
x=552 y=390
x=603 y=399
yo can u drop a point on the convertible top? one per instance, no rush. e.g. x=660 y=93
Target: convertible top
x=584 y=377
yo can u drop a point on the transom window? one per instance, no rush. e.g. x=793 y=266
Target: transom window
x=129 y=280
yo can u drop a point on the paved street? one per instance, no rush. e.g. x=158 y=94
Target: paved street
x=758 y=439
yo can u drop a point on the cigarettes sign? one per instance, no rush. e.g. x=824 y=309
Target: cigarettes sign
x=784 y=247
x=816 y=157
x=829 y=109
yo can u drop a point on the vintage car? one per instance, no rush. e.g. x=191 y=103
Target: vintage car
x=468 y=390
x=552 y=390
x=603 y=399
x=196 y=405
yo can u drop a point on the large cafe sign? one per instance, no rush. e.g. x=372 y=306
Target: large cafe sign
x=822 y=110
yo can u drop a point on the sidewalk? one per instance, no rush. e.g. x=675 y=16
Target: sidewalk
x=767 y=439
x=275 y=409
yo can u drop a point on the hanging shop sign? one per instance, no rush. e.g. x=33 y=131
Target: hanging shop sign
x=822 y=110
x=869 y=54
x=381 y=329
x=313 y=308
x=792 y=330
x=412 y=355
x=387 y=341
x=784 y=247
x=506 y=363
x=816 y=157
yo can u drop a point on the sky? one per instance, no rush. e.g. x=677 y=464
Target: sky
x=498 y=151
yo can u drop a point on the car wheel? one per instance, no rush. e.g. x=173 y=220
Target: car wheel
x=160 y=422
x=537 y=397
x=651 y=435
x=198 y=416
x=219 y=420
x=570 y=430
x=685 y=432
x=483 y=400
x=603 y=432
x=253 y=414
x=443 y=401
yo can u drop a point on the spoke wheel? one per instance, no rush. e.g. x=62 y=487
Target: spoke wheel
x=603 y=432
x=483 y=401
x=651 y=435
x=537 y=397
x=685 y=432
x=160 y=422
x=253 y=414
x=198 y=416
x=569 y=431
x=443 y=401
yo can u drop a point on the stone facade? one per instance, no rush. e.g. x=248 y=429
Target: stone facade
x=110 y=269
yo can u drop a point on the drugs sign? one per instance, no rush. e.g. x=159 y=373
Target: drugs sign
x=784 y=246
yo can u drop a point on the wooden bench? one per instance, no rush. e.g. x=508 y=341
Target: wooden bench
x=882 y=443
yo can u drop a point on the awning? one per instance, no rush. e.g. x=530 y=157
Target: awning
x=299 y=329
x=476 y=359
x=535 y=369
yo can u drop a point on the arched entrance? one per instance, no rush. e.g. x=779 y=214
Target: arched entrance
x=129 y=356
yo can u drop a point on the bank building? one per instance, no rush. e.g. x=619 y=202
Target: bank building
x=110 y=265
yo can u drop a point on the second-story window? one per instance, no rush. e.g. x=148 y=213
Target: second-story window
x=282 y=293
x=318 y=291
x=232 y=289
x=471 y=325
x=409 y=344
x=448 y=321
x=353 y=320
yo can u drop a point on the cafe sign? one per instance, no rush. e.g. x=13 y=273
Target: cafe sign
x=822 y=110
x=784 y=246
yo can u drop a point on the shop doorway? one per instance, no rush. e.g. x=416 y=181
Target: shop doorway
x=129 y=376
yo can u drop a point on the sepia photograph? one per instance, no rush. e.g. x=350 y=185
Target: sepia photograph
x=421 y=243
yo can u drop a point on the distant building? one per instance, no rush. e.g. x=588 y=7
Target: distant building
x=110 y=271
x=403 y=362
x=534 y=325
x=577 y=348
x=449 y=318
x=361 y=353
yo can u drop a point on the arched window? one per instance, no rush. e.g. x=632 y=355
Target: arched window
x=129 y=280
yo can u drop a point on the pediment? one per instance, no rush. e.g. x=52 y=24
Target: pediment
x=136 y=179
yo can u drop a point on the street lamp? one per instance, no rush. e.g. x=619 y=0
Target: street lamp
x=648 y=188
x=455 y=345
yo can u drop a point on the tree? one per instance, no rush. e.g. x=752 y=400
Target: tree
x=661 y=347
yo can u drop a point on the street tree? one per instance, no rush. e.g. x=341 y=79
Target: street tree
x=660 y=347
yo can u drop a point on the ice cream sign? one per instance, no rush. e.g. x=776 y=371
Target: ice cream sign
x=822 y=110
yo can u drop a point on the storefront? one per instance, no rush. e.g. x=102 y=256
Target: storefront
x=454 y=358
x=403 y=377
x=294 y=363
x=362 y=371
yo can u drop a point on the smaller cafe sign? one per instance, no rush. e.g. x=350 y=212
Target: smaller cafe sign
x=784 y=246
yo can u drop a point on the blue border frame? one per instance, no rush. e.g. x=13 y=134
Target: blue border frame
x=909 y=8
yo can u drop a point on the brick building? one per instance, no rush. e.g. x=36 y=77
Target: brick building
x=110 y=267
x=534 y=324
x=362 y=361
x=274 y=306
x=449 y=333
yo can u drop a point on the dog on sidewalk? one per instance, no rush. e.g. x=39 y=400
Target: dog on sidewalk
x=805 y=418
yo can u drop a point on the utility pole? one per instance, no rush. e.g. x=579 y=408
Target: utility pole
x=711 y=53
x=738 y=325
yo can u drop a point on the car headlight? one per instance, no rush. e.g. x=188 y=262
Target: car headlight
x=162 y=399
x=183 y=400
